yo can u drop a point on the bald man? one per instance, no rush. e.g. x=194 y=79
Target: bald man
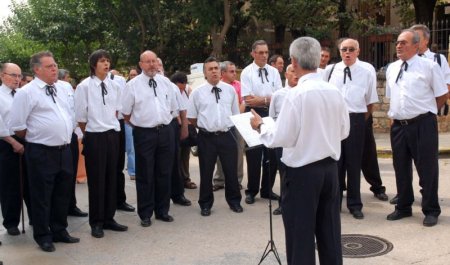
x=11 y=149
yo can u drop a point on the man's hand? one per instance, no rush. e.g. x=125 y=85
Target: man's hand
x=184 y=132
x=254 y=101
x=18 y=148
x=256 y=120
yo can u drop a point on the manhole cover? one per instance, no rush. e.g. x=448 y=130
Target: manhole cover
x=364 y=246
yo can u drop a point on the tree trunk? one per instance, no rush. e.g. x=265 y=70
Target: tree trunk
x=218 y=38
x=424 y=11
x=279 y=38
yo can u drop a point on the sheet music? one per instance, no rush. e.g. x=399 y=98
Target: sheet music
x=242 y=123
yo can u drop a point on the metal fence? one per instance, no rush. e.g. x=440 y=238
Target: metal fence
x=379 y=49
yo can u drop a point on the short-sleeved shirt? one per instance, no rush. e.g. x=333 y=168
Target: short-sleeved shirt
x=254 y=84
x=6 y=100
x=444 y=64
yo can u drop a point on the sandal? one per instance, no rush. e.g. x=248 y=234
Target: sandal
x=190 y=185
x=217 y=187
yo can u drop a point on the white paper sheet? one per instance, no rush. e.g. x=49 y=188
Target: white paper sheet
x=242 y=123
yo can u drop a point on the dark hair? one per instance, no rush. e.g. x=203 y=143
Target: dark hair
x=210 y=59
x=258 y=43
x=25 y=75
x=95 y=57
x=35 y=60
x=274 y=58
x=326 y=48
x=179 y=77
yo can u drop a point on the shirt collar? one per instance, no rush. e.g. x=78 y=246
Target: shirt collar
x=97 y=80
x=427 y=52
x=411 y=60
x=256 y=67
x=40 y=83
x=5 y=89
x=308 y=77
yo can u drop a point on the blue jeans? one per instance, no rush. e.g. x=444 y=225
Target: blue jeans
x=130 y=149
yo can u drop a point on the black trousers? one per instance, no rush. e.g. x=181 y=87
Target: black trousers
x=416 y=142
x=75 y=156
x=224 y=146
x=310 y=205
x=50 y=177
x=177 y=186
x=154 y=150
x=260 y=157
x=10 y=200
x=121 y=196
x=101 y=154
x=280 y=166
x=369 y=164
x=350 y=161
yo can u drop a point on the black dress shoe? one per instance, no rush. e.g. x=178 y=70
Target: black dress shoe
x=65 y=238
x=164 y=218
x=115 y=226
x=125 y=207
x=249 y=199
x=182 y=201
x=205 y=212
x=97 y=231
x=394 y=200
x=47 y=246
x=430 y=220
x=396 y=215
x=381 y=196
x=357 y=214
x=236 y=208
x=13 y=231
x=272 y=196
x=277 y=211
x=77 y=212
x=146 y=222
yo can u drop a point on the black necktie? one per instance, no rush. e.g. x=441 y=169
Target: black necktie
x=152 y=83
x=347 y=72
x=400 y=73
x=104 y=92
x=421 y=54
x=50 y=91
x=216 y=90
x=262 y=75
x=13 y=92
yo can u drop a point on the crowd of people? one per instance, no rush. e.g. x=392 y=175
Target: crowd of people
x=322 y=139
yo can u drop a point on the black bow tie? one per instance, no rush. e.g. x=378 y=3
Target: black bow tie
x=261 y=74
x=104 y=92
x=421 y=54
x=347 y=72
x=400 y=73
x=152 y=83
x=51 y=91
x=216 y=90
x=13 y=92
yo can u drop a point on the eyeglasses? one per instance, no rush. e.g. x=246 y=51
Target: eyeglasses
x=14 y=75
x=345 y=49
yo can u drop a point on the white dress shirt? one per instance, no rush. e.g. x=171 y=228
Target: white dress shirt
x=4 y=131
x=89 y=106
x=211 y=115
x=358 y=92
x=180 y=102
x=444 y=64
x=312 y=123
x=71 y=96
x=6 y=100
x=46 y=122
x=277 y=101
x=122 y=82
x=146 y=109
x=252 y=84
x=416 y=91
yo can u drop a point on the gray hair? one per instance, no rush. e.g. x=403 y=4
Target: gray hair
x=224 y=65
x=415 y=38
x=35 y=60
x=62 y=73
x=258 y=43
x=306 y=51
x=423 y=28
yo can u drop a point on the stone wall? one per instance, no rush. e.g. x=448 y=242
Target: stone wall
x=381 y=122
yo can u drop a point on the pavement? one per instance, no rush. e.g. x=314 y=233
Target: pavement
x=228 y=238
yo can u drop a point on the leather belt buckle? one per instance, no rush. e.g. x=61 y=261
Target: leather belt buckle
x=403 y=122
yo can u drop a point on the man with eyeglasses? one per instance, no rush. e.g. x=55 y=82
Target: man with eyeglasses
x=11 y=151
x=259 y=81
x=41 y=114
x=417 y=89
x=357 y=82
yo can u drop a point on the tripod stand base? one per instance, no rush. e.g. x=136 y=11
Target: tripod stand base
x=273 y=249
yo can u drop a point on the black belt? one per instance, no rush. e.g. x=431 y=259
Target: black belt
x=413 y=120
x=54 y=147
x=204 y=131
x=157 y=127
x=354 y=114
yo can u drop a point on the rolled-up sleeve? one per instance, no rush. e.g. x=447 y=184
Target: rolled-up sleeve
x=20 y=110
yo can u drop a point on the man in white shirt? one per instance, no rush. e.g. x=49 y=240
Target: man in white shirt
x=358 y=84
x=310 y=127
x=97 y=103
x=325 y=56
x=41 y=114
x=417 y=89
x=258 y=82
x=11 y=151
x=148 y=103
x=275 y=107
x=210 y=108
